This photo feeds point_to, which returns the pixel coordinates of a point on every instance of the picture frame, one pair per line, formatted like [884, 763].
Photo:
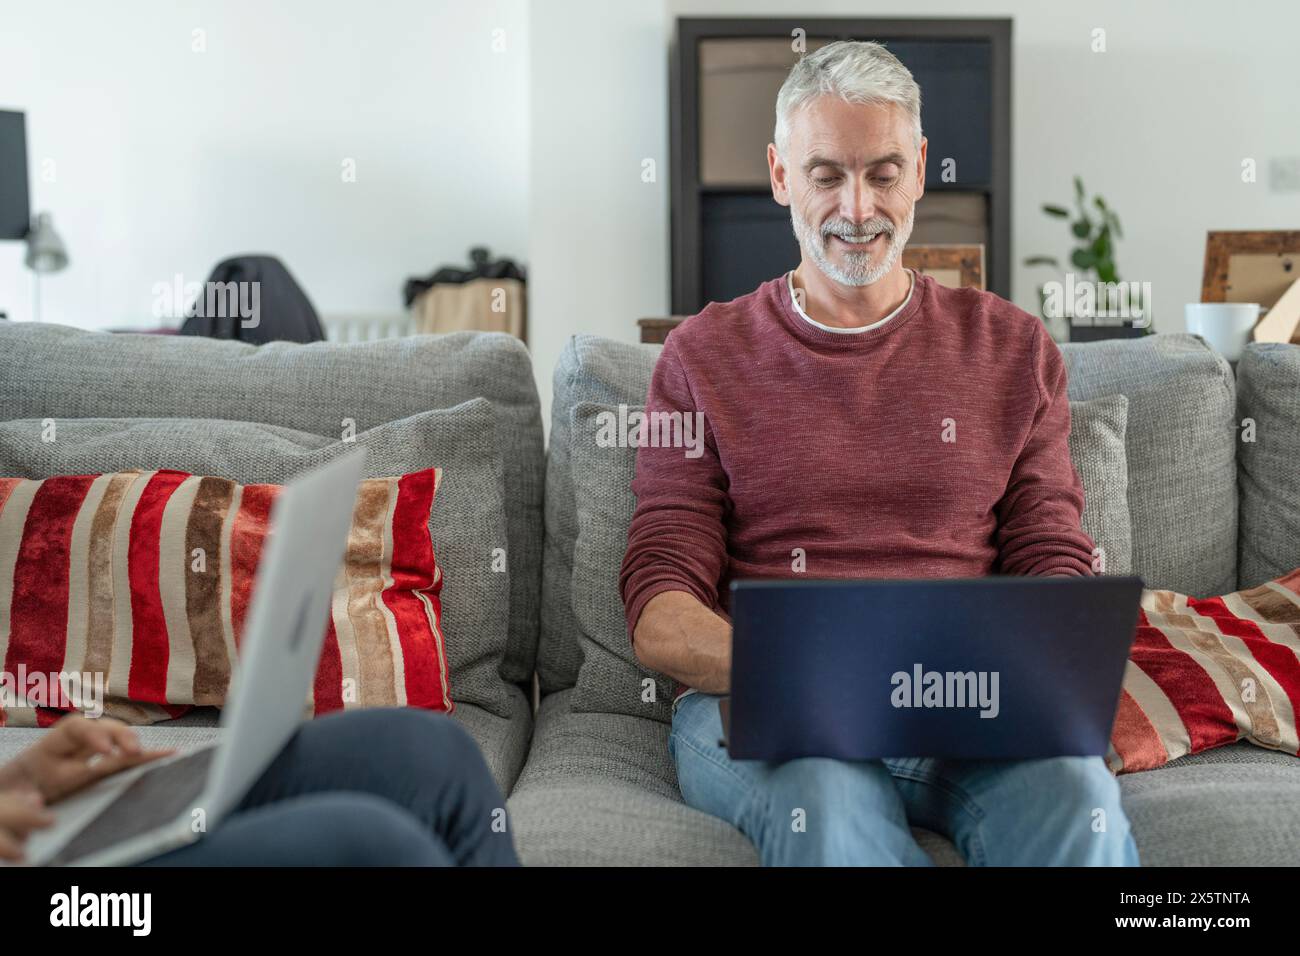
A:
[956, 265]
[1250, 265]
[1260, 266]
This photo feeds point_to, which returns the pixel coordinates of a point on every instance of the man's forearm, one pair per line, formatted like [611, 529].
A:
[678, 636]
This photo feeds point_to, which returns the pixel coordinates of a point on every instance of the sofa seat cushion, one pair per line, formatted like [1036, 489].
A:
[502, 740]
[601, 790]
[1233, 806]
[596, 821]
[180, 734]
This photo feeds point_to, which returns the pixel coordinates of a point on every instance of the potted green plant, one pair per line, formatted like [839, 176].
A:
[1092, 299]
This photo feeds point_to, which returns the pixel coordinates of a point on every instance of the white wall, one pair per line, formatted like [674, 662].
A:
[168, 160]
[598, 232]
[1158, 124]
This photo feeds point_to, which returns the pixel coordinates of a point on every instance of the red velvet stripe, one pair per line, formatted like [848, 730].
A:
[1277, 659]
[328, 687]
[1135, 738]
[7, 485]
[38, 622]
[247, 537]
[1190, 689]
[150, 650]
[413, 570]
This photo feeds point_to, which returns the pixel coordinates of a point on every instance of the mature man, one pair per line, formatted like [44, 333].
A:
[872, 423]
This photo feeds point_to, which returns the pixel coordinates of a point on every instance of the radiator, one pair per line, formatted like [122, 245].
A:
[367, 328]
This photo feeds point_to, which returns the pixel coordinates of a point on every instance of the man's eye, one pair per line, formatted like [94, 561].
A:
[826, 180]
[885, 180]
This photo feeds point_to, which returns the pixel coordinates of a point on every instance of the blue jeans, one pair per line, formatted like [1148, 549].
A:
[381, 787]
[1063, 811]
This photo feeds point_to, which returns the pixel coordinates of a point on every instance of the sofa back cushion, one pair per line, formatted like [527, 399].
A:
[1268, 460]
[324, 389]
[465, 526]
[603, 465]
[610, 679]
[1182, 469]
[590, 369]
[1097, 450]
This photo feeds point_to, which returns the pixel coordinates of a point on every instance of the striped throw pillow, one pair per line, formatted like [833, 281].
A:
[130, 590]
[1203, 673]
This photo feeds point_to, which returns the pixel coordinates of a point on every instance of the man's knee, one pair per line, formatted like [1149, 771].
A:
[821, 811]
[1081, 785]
[1085, 817]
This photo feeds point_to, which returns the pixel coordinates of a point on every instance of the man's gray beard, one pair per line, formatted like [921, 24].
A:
[860, 271]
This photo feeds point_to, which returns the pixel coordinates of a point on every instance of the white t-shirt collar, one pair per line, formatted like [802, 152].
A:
[789, 279]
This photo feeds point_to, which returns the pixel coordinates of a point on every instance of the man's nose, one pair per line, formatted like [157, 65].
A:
[857, 203]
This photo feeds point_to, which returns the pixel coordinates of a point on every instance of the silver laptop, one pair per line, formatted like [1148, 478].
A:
[167, 804]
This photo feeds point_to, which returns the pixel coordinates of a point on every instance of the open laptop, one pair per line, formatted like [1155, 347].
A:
[166, 804]
[990, 668]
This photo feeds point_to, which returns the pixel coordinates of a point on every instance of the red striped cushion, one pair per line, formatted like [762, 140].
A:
[1208, 672]
[138, 584]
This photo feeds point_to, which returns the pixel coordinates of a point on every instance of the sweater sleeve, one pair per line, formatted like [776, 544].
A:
[677, 539]
[1039, 530]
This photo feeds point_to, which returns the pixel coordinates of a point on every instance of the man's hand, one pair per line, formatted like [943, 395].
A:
[680, 637]
[21, 812]
[74, 753]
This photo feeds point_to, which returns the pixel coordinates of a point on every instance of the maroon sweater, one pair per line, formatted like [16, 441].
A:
[835, 444]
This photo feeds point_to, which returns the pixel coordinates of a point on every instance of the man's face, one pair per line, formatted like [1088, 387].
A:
[851, 178]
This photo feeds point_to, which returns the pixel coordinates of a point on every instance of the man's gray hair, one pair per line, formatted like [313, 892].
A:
[857, 71]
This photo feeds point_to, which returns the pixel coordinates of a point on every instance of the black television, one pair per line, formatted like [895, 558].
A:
[15, 214]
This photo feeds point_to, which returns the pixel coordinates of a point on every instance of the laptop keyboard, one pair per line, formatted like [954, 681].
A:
[156, 798]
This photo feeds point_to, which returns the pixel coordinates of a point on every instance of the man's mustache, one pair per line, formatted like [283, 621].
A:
[842, 227]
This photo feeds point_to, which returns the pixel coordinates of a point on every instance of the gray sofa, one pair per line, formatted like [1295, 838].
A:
[1174, 495]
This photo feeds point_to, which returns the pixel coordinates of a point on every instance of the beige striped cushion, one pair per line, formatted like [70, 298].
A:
[128, 591]
[1203, 673]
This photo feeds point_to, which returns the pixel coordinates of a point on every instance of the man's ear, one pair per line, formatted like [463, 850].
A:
[779, 175]
[920, 168]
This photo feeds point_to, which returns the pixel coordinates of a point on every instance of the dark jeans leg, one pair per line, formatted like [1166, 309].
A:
[318, 829]
[420, 763]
